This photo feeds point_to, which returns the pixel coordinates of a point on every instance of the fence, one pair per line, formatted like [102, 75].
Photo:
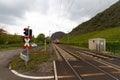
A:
[113, 47]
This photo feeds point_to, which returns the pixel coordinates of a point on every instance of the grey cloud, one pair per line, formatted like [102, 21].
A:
[80, 9]
[7, 19]
[9, 12]
[75, 10]
[41, 6]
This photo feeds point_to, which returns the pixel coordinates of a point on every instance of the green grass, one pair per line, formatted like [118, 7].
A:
[112, 37]
[36, 58]
[4, 47]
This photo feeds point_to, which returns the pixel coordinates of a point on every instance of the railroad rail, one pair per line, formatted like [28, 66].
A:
[87, 63]
[67, 62]
[101, 58]
[95, 54]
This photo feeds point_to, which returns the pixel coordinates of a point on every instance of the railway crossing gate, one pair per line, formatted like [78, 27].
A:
[26, 47]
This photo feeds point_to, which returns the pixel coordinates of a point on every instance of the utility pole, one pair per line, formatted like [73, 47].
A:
[49, 37]
[45, 44]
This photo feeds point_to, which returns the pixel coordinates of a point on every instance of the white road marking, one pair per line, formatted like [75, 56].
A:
[31, 77]
[55, 70]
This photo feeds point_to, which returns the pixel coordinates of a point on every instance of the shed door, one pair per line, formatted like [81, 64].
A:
[101, 45]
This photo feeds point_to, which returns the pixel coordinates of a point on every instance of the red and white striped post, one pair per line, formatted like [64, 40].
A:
[27, 37]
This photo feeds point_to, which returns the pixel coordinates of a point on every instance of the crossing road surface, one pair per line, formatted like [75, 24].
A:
[5, 73]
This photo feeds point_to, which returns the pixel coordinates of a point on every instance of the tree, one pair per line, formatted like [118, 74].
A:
[40, 38]
[33, 39]
[48, 40]
[14, 39]
[3, 36]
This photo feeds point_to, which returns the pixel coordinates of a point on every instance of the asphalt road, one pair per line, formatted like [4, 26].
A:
[5, 58]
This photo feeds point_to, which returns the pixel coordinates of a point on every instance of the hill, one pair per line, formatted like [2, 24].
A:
[57, 35]
[109, 18]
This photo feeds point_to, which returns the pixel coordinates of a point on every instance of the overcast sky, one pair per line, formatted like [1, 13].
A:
[48, 16]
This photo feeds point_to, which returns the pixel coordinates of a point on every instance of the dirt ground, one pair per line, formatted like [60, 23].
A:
[45, 69]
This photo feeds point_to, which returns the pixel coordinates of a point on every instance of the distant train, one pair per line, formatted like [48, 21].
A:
[56, 41]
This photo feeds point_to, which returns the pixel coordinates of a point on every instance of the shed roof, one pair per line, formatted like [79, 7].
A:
[97, 39]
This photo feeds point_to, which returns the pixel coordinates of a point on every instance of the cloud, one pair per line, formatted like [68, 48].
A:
[46, 15]
[12, 9]
[41, 6]
[76, 10]
[41, 23]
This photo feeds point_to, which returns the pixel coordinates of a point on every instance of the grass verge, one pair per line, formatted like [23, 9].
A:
[37, 57]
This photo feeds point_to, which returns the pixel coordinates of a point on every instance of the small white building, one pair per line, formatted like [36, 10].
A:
[98, 44]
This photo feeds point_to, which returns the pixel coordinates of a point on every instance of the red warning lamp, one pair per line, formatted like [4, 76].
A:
[26, 31]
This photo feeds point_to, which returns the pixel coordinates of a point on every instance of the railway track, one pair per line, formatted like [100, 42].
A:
[78, 77]
[87, 69]
[94, 54]
[101, 58]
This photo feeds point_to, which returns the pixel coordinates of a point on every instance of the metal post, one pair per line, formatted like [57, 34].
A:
[27, 48]
[49, 37]
[45, 44]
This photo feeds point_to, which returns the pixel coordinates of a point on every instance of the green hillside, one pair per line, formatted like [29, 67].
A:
[109, 18]
[112, 37]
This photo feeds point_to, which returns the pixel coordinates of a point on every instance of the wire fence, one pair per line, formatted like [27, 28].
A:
[112, 48]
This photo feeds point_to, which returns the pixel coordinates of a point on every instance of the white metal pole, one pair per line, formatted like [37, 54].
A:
[45, 44]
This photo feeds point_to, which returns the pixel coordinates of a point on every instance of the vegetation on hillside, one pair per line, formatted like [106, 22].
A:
[112, 37]
[108, 19]
[6, 38]
[8, 41]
